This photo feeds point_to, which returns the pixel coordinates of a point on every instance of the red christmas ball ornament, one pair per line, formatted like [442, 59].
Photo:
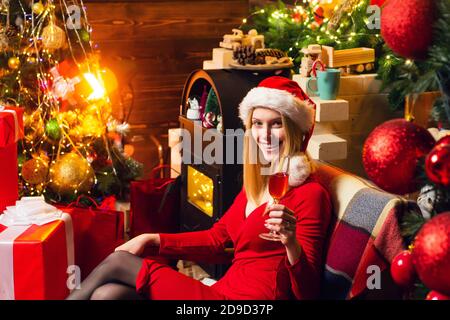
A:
[407, 25]
[437, 165]
[434, 295]
[377, 2]
[431, 253]
[402, 269]
[443, 141]
[391, 152]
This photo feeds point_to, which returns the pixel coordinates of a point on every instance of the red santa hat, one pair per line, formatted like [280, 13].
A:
[286, 97]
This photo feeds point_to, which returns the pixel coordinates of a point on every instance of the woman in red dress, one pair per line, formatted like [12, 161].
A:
[279, 119]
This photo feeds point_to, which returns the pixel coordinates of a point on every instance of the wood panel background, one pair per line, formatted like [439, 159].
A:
[152, 46]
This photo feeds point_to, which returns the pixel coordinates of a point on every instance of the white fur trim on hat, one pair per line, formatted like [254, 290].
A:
[300, 112]
[299, 170]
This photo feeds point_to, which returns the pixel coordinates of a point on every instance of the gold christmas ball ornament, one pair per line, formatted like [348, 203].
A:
[71, 174]
[13, 63]
[38, 8]
[35, 171]
[53, 37]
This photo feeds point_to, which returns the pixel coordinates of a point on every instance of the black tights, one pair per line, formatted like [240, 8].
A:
[113, 279]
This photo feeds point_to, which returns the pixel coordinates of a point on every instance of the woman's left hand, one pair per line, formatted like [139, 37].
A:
[282, 220]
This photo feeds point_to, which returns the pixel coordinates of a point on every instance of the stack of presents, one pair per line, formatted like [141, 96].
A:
[45, 250]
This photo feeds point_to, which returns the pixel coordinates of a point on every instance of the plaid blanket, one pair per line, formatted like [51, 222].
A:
[365, 233]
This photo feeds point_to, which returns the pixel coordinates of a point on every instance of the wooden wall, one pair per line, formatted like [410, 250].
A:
[152, 46]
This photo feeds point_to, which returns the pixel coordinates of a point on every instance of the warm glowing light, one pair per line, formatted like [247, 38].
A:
[97, 87]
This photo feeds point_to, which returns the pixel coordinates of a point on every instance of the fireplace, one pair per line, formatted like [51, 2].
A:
[208, 188]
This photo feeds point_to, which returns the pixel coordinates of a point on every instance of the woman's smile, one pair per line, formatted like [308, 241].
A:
[268, 132]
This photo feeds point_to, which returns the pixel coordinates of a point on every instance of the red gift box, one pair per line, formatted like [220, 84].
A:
[97, 232]
[34, 261]
[11, 130]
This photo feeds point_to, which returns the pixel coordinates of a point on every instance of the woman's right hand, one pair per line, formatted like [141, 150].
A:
[138, 244]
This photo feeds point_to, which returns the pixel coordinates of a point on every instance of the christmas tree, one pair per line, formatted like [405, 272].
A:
[49, 67]
[416, 60]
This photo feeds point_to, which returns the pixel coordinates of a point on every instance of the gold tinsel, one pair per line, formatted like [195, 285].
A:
[71, 174]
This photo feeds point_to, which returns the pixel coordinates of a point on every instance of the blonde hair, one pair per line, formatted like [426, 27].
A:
[254, 182]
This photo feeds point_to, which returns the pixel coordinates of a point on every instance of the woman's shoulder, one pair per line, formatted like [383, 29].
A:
[311, 195]
[310, 188]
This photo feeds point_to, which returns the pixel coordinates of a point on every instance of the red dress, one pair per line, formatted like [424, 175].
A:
[260, 269]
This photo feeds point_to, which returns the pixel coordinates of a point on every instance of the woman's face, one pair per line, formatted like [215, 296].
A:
[268, 132]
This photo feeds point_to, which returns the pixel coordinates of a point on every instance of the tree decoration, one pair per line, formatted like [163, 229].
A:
[391, 154]
[53, 37]
[85, 35]
[377, 2]
[328, 7]
[407, 25]
[346, 6]
[52, 129]
[35, 171]
[402, 269]
[38, 8]
[444, 141]
[71, 174]
[431, 253]
[437, 165]
[434, 295]
[405, 77]
[14, 63]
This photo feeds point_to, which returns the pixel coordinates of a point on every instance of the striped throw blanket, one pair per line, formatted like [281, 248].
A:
[364, 239]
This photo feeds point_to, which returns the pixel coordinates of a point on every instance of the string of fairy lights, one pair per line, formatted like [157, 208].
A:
[71, 112]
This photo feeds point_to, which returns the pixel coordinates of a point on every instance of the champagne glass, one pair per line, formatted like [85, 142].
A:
[278, 187]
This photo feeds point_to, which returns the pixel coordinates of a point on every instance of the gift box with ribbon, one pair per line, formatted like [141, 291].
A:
[36, 252]
[11, 130]
[97, 232]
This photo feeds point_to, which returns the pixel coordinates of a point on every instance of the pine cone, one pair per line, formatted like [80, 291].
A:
[244, 55]
[270, 53]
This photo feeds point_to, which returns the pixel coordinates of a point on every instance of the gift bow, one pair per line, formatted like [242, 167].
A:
[16, 121]
[18, 219]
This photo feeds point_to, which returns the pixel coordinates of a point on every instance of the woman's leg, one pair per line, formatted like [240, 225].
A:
[120, 267]
[115, 291]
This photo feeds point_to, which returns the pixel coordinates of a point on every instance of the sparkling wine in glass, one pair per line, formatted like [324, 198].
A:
[278, 187]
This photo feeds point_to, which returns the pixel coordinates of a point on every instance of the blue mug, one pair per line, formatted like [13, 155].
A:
[327, 82]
